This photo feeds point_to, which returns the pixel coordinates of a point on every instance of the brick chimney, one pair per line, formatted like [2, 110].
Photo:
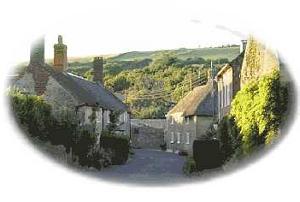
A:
[98, 69]
[60, 56]
[243, 45]
[37, 61]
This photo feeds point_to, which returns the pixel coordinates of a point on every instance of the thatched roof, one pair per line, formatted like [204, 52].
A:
[201, 101]
[235, 63]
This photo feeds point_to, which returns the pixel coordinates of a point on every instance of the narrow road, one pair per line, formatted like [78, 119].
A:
[148, 167]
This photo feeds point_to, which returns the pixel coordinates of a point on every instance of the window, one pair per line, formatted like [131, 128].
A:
[108, 116]
[187, 120]
[172, 138]
[125, 117]
[187, 140]
[178, 138]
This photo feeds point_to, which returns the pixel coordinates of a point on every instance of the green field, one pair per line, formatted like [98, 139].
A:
[183, 53]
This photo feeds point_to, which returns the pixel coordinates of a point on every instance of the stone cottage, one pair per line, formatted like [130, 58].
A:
[190, 118]
[228, 82]
[67, 93]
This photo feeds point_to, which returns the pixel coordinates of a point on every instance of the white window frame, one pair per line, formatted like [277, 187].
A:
[125, 117]
[108, 116]
[178, 138]
[187, 138]
[172, 138]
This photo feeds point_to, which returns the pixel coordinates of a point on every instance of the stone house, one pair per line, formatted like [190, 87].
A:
[259, 60]
[190, 118]
[89, 101]
[254, 61]
[228, 82]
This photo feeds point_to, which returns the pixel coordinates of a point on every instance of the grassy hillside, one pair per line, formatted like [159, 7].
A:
[183, 53]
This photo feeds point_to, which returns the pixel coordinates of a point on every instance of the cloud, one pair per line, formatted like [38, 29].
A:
[234, 32]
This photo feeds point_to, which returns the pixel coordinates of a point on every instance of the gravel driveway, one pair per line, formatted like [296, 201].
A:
[147, 167]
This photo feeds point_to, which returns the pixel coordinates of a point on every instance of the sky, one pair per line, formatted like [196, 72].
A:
[114, 26]
[109, 26]
[142, 34]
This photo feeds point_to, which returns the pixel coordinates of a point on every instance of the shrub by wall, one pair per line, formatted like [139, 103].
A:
[32, 113]
[189, 166]
[34, 116]
[229, 137]
[258, 110]
[119, 146]
[207, 154]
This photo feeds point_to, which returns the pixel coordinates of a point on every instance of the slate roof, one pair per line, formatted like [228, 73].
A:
[87, 92]
[200, 102]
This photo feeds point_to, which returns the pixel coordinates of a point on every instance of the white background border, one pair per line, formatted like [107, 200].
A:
[25, 175]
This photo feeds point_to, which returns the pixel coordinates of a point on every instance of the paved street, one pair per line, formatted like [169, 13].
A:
[148, 167]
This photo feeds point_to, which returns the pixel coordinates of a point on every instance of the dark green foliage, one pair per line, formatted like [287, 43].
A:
[207, 154]
[189, 166]
[230, 140]
[34, 116]
[119, 146]
[84, 142]
[32, 113]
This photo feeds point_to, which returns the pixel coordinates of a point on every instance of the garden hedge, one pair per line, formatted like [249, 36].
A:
[118, 145]
[207, 154]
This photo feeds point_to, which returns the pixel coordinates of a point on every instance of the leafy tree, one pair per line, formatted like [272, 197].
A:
[258, 109]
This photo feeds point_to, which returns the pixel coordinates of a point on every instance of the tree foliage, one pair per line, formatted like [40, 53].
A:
[258, 110]
[152, 86]
[34, 116]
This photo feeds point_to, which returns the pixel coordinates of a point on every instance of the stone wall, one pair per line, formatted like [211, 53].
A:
[259, 60]
[147, 133]
[154, 123]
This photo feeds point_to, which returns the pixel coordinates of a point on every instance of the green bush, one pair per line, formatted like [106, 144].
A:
[98, 158]
[258, 110]
[230, 141]
[34, 116]
[189, 166]
[207, 154]
[118, 145]
[32, 113]
[84, 141]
